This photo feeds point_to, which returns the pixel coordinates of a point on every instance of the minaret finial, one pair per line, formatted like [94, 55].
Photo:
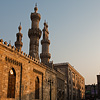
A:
[36, 9]
[44, 22]
[20, 27]
[20, 23]
[35, 4]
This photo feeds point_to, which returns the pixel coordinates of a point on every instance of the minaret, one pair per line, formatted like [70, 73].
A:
[45, 55]
[18, 43]
[34, 34]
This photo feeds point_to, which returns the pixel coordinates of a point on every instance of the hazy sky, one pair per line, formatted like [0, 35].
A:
[74, 27]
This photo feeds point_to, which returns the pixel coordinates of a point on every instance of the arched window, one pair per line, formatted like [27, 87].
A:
[37, 88]
[11, 83]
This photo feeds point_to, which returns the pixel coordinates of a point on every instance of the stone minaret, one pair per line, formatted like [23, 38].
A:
[45, 55]
[34, 34]
[18, 43]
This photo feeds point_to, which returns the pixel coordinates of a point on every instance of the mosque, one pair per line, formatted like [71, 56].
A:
[32, 76]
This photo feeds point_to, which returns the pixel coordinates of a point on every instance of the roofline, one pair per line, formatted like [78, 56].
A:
[66, 64]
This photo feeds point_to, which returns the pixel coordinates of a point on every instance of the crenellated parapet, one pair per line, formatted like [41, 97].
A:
[11, 48]
[1, 40]
[15, 50]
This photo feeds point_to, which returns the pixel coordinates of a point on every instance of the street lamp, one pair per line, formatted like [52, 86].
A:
[50, 82]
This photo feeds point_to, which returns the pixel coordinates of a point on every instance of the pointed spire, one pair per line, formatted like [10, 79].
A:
[36, 5]
[44, 23]
[20, 28]
[36, 9]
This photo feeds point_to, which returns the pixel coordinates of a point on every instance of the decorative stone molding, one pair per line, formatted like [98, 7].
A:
[5, 42]
[45, 30]
[12, 48]
[10, 60]
[34, 32]
[9, 45]
[35, 15]
[1, 40]
[36, 71]
[45, 55]
[45, 41]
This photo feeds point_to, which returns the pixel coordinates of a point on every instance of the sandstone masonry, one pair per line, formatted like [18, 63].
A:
[26, 77]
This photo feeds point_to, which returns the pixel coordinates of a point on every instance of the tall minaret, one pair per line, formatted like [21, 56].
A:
[45, 55]
[34, 34]
[18, 43]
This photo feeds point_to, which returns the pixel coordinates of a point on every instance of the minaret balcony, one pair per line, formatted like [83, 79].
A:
[35, 32]
[19, 34]
[18, 43]
[45, 41]
[45, 55]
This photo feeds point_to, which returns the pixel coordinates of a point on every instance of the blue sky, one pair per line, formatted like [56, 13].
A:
[74, 27]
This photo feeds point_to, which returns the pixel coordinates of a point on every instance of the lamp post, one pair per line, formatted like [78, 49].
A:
[50, 82]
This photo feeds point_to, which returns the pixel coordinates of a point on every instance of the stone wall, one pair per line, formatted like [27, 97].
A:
[50, 77]
[27, 70]
[0, 75]
[75, 81]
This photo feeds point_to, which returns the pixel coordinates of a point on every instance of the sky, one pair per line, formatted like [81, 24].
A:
[74, 30]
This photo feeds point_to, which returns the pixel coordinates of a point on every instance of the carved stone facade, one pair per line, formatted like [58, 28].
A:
[24, 77]
[75, 81]
[27, 70]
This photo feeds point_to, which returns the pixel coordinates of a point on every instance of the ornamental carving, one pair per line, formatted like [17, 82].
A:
[35, 32]
[10, 60]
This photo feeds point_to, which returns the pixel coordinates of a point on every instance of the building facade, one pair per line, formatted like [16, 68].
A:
[75, 81]
[91, 92]
[25, 77]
